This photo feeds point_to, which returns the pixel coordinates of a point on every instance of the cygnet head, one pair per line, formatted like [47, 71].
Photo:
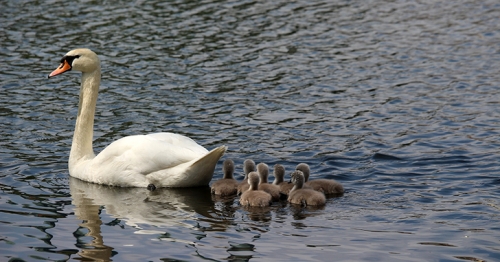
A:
[297, 179]
[279, 174]
[253, 180]
[305, 197]
[305, 170]
[81, 59]
[263, 170]
[228, 168]
[248, 166]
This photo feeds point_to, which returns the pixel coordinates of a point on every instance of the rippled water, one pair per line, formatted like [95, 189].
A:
[398, 100]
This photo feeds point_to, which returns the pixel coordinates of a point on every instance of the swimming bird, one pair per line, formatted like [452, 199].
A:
[253, 196]
[327, 186]
[302, 196]
[285, 186]
[248, 166]
[279, 179]
[279, 174]
[154, 160]
[227, 185]
[273, 190]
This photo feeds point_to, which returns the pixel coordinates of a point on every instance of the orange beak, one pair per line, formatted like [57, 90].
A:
[61, 69]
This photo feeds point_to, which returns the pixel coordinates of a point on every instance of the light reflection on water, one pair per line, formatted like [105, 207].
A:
[397, 100]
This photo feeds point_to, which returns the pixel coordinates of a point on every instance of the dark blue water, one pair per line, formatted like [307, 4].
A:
[397, 100]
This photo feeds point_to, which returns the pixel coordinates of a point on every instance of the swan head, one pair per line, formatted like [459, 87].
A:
[81, 59]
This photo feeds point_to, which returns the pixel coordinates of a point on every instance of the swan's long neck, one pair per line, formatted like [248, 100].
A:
[81, 148]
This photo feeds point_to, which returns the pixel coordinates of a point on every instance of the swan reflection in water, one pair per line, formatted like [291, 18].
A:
[162, 208]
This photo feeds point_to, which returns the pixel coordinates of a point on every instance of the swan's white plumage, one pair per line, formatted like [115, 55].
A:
[162, 159]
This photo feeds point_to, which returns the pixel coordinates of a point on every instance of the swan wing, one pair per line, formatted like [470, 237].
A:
[145, 154]
[179, 140]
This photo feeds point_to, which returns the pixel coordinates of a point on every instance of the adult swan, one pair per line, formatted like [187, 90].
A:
[154, 160]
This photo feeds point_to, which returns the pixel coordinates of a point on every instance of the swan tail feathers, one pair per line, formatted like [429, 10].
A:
[205, 166]
[197, 172]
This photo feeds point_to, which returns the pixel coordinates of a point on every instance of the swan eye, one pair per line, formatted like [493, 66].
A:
[69, 59]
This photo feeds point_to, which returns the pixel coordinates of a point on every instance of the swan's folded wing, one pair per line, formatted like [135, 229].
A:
[179, 140]
[145, 154]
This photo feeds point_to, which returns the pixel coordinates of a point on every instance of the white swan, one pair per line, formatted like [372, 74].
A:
[154, 160]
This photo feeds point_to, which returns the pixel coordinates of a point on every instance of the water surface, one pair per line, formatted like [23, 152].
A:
[397, 100]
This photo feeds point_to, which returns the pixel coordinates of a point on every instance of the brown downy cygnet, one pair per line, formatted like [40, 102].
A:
[248, 166]
[254, 197]
[279, 179]
[227, 185]
[327, 186]
[302, 196]
[273, 190]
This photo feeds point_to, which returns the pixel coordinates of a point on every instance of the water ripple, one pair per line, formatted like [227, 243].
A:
[396, 99]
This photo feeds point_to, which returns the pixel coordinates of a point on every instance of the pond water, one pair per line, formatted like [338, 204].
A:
[397, 100]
